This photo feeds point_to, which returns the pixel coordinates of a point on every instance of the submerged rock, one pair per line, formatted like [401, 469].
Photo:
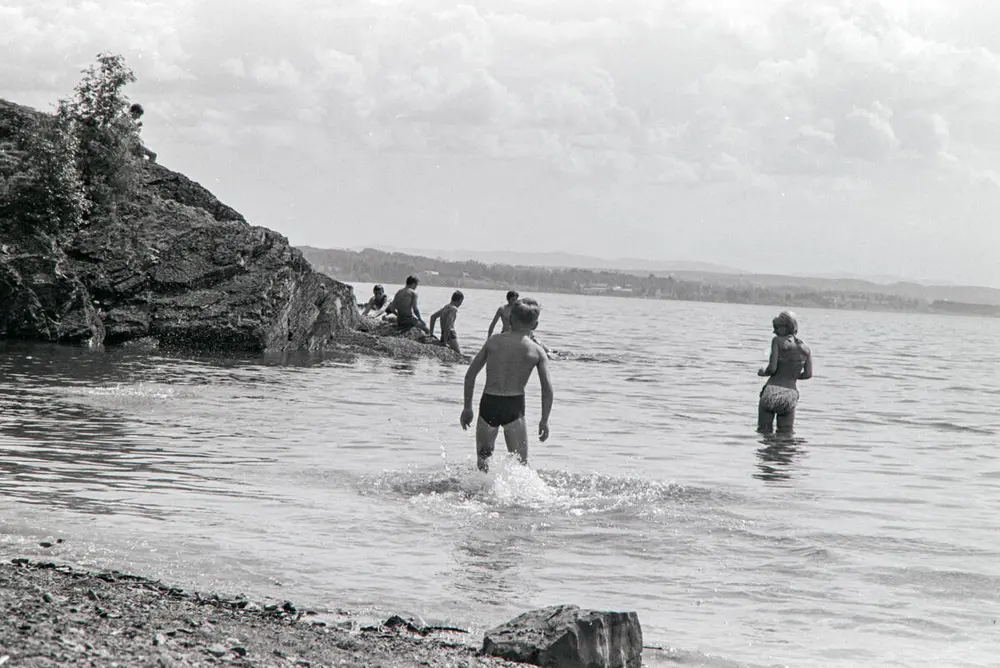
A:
[565, 636]
[178, 268]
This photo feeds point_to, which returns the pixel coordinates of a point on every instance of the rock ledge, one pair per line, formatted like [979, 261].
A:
[178, 268]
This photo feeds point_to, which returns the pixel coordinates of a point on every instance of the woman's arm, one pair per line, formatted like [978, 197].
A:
[807, 367]
[772, 363]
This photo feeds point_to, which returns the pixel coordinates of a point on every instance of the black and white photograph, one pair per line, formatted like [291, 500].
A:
[494, 333]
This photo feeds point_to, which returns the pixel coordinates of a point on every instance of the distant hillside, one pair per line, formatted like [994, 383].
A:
[565, 261]
[377, 266]
[722, 275]
[928, 293]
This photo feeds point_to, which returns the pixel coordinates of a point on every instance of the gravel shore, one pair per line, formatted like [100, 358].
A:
[54, 615]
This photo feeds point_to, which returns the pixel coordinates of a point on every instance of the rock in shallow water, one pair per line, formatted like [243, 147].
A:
[175, 267]
[565, 636]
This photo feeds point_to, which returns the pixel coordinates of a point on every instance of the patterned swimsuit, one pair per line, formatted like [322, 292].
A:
[782, 400]
[779, 400]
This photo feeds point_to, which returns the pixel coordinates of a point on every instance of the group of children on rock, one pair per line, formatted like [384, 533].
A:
[511, 356]
[403, 311]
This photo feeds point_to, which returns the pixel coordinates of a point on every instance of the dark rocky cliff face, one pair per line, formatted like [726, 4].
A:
[180, 268]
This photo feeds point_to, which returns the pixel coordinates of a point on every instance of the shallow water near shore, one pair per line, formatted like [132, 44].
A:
[870, 538]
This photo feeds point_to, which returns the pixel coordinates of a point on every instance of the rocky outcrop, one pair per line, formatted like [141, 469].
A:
[43, 299]
[179, 268]
[176, 187]
[565, 636]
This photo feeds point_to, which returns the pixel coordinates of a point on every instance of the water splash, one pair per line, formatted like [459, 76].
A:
[140, 391]
[510, 486]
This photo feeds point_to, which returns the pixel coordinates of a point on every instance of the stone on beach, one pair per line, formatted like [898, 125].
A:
[565, 636]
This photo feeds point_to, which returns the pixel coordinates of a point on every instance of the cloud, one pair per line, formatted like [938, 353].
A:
[717, 79]
[922, 132]
[827, 98]
[277, 73]
[867, 133]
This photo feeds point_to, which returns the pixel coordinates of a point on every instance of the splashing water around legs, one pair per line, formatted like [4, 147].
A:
[512, 483]
[515, 435]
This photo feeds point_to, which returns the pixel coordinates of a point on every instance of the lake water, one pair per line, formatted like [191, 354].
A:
[869, 539]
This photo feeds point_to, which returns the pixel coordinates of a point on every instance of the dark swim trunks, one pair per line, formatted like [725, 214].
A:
[405, 322]
[498, 411]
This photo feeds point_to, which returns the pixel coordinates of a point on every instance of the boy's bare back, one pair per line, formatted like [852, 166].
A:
[448, 316]
[510, 359]
[404, 300]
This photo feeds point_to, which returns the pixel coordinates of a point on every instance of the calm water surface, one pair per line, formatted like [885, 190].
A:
[869, 539]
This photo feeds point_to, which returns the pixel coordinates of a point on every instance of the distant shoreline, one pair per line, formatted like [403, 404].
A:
[431, 281]
[763, 290]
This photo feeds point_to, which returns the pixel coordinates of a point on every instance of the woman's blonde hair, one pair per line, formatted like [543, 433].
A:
[786, 320]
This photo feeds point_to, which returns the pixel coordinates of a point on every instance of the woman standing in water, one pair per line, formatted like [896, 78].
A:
[790, 362]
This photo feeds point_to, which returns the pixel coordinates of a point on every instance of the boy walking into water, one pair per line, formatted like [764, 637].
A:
[448, 314]
[509, 359]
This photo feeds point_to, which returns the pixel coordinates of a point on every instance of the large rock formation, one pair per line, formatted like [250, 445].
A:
[565, 636]
[179, 268]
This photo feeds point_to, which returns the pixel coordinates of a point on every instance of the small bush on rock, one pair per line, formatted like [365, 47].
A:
[40, 187]
[107, 135]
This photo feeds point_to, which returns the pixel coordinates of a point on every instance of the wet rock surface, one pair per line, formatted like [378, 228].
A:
[567, 637]
[53, 615]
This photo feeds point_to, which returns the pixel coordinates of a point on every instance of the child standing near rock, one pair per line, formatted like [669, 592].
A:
[448, 314]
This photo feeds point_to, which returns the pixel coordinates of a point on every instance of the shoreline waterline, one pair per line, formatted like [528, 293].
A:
[55, 612]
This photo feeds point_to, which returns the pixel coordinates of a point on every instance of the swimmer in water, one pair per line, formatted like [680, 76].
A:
[509, 359]
[790, 362]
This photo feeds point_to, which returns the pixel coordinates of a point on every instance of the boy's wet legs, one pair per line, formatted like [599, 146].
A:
[486, 437]
[516, 435]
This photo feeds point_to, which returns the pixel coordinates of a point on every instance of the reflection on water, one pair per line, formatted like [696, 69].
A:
[405, 367]
[777, 458]
[82, 430]
[350, 481]
[490, 566]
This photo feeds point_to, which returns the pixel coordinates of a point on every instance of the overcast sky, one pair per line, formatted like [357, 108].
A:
[804, 136]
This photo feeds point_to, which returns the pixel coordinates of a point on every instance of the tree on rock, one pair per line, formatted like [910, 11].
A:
[40, 187]
[109, 147]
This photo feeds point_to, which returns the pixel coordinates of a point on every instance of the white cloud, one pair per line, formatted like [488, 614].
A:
[922, 132]
[867, 133]
[277, 73]
[832, 98]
